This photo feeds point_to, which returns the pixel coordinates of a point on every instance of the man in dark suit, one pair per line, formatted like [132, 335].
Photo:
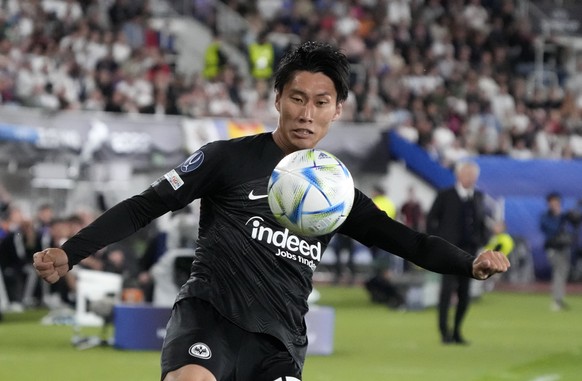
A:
[458, 215]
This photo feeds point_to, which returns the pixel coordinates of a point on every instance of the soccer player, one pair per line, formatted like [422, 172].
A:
[240, 316]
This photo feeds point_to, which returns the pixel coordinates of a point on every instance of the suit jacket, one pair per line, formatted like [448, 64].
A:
[445, 219]
[15, 253]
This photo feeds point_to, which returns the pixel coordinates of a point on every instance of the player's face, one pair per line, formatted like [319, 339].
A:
[307, 106]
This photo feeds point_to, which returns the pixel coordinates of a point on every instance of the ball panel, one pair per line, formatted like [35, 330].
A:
[311, 192]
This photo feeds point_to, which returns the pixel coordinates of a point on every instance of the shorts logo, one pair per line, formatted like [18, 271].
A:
[200, 350]
[192, 162]
[174, 179]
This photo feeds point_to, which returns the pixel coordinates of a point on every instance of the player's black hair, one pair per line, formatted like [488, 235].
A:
[315, 57]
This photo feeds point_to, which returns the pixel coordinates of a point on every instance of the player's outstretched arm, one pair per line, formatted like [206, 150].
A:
[489, 263]
[51, 264]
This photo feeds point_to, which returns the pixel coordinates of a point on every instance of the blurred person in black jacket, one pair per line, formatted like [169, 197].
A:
[16, 250]
[458, 215]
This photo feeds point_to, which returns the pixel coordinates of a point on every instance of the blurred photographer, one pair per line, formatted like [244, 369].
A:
[556, 226]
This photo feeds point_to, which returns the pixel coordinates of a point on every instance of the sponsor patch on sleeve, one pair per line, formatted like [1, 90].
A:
[193, 162]
[174, 179]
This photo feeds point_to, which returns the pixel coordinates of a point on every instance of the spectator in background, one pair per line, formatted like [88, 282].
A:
[16, 250]
[381, 288]
[458, 215]
[214, 58]
[261, 56]
[60, 292]
[134, 31]
[554, 224]
[120, 48]
[166, 38]
[119, 259]
[136, 89]
[119, 12]
[475, 15]
[220, 103]
[44, 216]
[176, 231]
[500, 240]
[156, 247]
[412, 215]
[411, 212]
[343, 244]
[383, 202]
[5, 200]
[575, 215]
[383, 259]
[13, 218]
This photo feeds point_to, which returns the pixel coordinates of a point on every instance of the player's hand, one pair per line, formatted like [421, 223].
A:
[488, 263]
[51, 264]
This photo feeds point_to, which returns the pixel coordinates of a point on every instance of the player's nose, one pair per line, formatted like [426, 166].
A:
[307, 113]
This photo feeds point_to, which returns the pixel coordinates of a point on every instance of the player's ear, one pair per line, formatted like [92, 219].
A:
[338, 111]
[278, 101]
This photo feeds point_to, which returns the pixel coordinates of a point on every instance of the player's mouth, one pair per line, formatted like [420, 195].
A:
[302, 132]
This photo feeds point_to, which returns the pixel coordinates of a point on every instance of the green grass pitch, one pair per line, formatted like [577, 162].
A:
[514, 337]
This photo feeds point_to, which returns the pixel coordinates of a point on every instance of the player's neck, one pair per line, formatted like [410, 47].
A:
[280, 142]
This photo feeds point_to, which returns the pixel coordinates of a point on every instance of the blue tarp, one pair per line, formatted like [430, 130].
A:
[419, 161]
[501, 176]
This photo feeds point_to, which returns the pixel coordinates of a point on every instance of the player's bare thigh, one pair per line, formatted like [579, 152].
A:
[190, 372]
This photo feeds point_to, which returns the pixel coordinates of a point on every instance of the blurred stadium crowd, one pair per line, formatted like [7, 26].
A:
[458, 77]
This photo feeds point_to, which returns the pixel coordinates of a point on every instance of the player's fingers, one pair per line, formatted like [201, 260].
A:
[55, 255]
[506, 261]
[52, 277]
[43, 267]
[492, 256]
[62, 269]
[487, 264]
[38, 257]
[479, 265]
[481, 269]
[500, 263]
[44, 271]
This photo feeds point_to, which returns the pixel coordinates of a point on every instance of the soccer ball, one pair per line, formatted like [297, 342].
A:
[311, 192]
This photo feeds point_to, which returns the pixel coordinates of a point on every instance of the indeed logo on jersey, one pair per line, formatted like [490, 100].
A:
[290, 246]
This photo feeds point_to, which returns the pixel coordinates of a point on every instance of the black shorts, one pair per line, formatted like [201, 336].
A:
[198, 334]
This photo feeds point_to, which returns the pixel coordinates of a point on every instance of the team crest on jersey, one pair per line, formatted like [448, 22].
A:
[193, 162]
[200, 350]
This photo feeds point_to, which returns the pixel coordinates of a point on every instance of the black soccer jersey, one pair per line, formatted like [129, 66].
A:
[253, 271]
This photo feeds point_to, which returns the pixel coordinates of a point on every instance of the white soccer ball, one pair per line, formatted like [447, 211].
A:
[311, 192]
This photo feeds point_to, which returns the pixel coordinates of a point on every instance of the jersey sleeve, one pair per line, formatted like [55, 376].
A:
[115, 224]
[372, 227]
[198, 175]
